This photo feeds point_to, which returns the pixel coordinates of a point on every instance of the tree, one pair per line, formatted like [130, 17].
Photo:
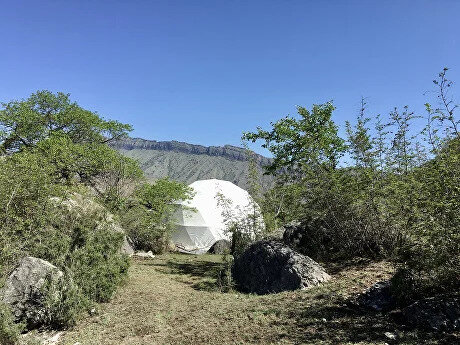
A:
[338, 206]
[44, 115]
[72, 140]
[300, 145]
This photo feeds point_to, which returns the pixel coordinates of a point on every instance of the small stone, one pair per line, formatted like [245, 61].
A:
[144, 255]
[390, 335]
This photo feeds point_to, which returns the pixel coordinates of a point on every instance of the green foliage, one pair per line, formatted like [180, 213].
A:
[242, 223]
[394, 197]
[71, 139]
[110, 174]
[429, 263]
[313, 189]
[9, 330]
[63, 302]
[148, 218]
[301, 144]
[52, 149]
[25, 188]
[43, 115]
[95, 260]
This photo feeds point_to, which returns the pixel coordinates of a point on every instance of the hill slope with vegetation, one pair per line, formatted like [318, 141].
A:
[188, 163]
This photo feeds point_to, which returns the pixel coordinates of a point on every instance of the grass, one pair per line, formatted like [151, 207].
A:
[174, 299]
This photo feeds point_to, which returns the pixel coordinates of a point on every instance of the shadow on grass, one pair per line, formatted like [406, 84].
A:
[205, 273]
[357, 263]
[338, 324]
[200, 269]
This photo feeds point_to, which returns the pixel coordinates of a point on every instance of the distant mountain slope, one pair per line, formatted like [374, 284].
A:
[188, 163]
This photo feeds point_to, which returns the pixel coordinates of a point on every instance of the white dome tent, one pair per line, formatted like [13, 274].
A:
[201, 221]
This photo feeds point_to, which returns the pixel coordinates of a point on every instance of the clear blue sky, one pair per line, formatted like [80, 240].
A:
[204, 71]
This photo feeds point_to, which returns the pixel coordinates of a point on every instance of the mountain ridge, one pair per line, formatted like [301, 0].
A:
[228, 151]
[188, 163]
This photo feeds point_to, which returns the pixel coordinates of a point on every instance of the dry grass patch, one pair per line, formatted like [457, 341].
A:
[174, 299]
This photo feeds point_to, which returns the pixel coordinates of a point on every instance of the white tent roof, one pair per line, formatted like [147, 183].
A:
[197, 229]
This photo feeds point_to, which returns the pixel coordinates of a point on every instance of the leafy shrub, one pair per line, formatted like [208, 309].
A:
[25, 209]
[393, 195]
[90, 244]
[429, 262]
[51, 148]
[9, 330]
[95, 260]
[63, 302]
[340, 214]
[148, 217]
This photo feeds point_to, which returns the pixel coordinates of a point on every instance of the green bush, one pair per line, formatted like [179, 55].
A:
[64, 302]
[90, 245]
[51, 148]
[395, 193]
[95, 260]
[9, 330]
[146, 233]
[339, 206]
[147, 218]
[26, 186]
[429, 262]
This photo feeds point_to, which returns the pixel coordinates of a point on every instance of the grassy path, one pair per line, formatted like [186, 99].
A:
[174, 299]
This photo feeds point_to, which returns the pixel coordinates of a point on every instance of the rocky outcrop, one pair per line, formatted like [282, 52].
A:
[84, 206]
[227, 151]
[439, 314]
[220, 247]
[269, 267]
[24, 290]
[377, 298]
[127, 248]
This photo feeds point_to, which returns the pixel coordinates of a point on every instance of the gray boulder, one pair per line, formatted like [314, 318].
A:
[439, 314]
[377, 298]
[220, 247]
[23, 290]
[84, 206]
[269, 267]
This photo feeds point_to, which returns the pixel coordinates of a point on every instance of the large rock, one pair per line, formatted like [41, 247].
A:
[433, 314]
[269, 267]
[23, 290]
[377, 298]
[85, 206]
[220, 247]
